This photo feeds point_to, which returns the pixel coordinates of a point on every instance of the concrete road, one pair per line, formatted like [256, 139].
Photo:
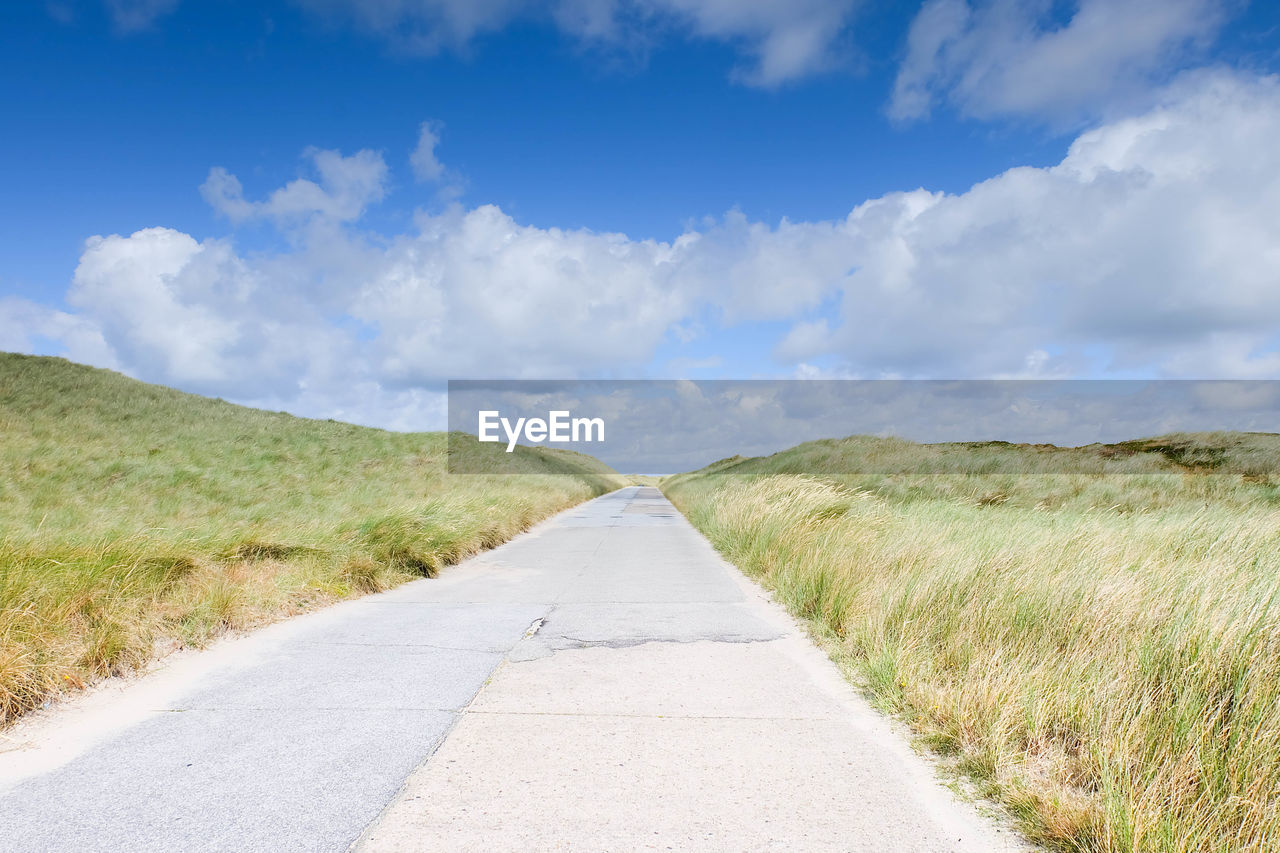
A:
[604, 682]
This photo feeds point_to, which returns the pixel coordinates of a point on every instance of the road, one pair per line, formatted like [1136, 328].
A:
[603, 682]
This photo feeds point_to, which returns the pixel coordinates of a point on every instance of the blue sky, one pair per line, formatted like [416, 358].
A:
[1059, 189]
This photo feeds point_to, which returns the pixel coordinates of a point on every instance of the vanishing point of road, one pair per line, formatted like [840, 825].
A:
[604, 682]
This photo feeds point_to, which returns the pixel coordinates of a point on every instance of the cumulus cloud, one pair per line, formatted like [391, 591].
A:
[1152, 249]
[196, 315]
[25, 325]
[1000, 58]
[474, 293]
[346, 186]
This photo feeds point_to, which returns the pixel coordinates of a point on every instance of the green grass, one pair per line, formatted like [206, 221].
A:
[134, 518]
[1092, 634]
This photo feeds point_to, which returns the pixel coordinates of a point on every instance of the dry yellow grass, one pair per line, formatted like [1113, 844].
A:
[134, 518]
[1097, 642]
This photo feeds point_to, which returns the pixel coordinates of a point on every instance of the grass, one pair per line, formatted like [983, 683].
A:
[1092, 634]
[135, 518]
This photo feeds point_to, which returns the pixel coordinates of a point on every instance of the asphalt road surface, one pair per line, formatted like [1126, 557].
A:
[603, 682]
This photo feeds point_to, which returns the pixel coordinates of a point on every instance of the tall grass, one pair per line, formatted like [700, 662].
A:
[134, 518]
[1097, 642]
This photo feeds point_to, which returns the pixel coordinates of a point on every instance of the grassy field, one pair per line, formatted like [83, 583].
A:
[1092, 634]
[134, 518]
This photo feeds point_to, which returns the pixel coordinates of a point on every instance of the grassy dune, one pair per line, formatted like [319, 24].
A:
[1093, 634]
[134, 517]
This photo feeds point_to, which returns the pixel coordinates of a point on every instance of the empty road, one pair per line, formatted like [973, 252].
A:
[603, 682]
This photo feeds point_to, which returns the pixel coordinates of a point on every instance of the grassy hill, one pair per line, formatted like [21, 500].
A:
[1092, 633]
[134, 517]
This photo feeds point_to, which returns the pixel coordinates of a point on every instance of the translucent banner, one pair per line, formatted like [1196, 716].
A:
[670, 426]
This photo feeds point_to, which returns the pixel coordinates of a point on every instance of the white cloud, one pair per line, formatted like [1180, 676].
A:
[428, 169]
[338, 327]
[474, 293]
[684, 366]
[347, 185]
[1001, 58]
[784, 39]
[1152, 249]
[133, 15]
[425, 26]
[1153, 246]
[990, 58]
[426, 166]
[194, 314]
[25, 325]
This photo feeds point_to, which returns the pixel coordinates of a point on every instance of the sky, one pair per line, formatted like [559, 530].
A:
[331, 207]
